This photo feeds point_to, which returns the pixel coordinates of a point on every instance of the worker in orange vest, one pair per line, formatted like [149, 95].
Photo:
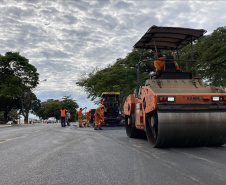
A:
[102, 102]
[79, 113]
[102, 115]
[99, 112]
[159, 64]
[88, 117]
[62, 116]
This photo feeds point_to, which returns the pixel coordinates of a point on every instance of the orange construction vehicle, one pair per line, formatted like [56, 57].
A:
[172, 108]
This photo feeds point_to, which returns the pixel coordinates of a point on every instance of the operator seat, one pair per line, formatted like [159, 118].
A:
[169, 66]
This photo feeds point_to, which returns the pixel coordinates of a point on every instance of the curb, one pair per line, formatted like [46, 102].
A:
[5, 125]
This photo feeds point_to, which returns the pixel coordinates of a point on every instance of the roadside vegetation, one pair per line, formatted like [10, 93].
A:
[18, 77]
[51, 108]
[17, 80]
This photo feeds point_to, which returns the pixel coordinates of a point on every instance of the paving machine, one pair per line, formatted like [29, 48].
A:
[92, 115]
[111, 111]
[173, 108]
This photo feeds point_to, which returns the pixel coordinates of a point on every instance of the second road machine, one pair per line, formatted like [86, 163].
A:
[111, 111]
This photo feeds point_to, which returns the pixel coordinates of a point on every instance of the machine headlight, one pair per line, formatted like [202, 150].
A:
[215, 98]
[171, 98]
[166, 99]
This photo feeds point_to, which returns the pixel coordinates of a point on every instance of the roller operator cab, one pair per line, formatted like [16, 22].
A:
[111, 111]
[172, 108]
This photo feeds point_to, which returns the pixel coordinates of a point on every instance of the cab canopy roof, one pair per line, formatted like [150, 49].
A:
[168, 38]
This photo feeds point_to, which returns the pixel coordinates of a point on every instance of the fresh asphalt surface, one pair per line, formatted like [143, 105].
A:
[43, 154]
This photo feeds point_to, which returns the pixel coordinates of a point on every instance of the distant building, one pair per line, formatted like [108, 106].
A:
[30, 121]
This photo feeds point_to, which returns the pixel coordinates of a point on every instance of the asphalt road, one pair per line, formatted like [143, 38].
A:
[44, 154]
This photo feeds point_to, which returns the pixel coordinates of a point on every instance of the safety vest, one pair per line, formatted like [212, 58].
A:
[88, 114]
[62, 113]
[159, 64]
[79, 114]
[99, 111]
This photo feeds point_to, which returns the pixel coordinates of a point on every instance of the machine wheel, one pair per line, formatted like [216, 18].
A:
[131, 130]
[152, 129]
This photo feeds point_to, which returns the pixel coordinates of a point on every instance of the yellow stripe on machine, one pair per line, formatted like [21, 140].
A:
[113, 93]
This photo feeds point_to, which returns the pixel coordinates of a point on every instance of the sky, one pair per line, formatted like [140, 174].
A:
[65, 39]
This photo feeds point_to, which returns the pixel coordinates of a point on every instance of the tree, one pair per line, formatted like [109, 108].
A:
[51, 108]
[213, 58]
[17, 80]
[8, 81]
[70, 105]
[27, 99]
[122, 76]
[12, 115]
[210, 54]
[8, 104]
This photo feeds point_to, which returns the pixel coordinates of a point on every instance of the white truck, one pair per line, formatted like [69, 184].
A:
[51, 120]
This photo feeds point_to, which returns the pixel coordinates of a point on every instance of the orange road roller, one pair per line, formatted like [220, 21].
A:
[172, 107]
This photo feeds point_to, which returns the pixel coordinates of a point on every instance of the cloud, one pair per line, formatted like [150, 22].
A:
[63, 39]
